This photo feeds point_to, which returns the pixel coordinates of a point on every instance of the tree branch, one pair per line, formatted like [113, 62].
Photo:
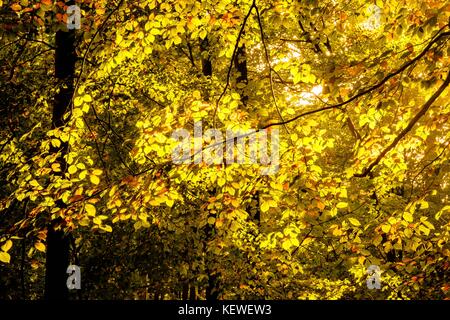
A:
[411, 124]
[366, 91]
[236, 46]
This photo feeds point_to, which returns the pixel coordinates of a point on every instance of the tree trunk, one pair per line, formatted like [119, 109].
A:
[240, 62]
[57, 259]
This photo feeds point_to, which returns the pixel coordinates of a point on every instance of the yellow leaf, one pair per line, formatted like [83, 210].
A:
[424, 229]
[7, 246]
[84, 222]
[5, 257]
[82, 175]
[56, 167]
[94, 179]
[72, 169]
[90, 209]
[170, 202]
[81, 166]
[56, 143]
[265, 206]
[235, 96]
[354, 222]
[219, 223]
[408, 217]
[106, 228]
[97, 172]
[342, 205]
[361, 260]
[87, 98]
[40, 246]
[211, 220]
[424, 205]
[377, 240]
[286, 245]
[77, 101]
[385, 228]
[221, 182]
[196, 94]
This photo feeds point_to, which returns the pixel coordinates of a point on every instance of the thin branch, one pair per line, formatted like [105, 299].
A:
[408, 128]
[236, 46]
[90, 44]
[43, 42]
[366, 91]
[266, 52]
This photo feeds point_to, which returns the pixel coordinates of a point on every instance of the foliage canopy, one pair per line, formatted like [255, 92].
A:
[362, 107]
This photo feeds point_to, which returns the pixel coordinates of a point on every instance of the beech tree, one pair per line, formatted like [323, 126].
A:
[358, 91]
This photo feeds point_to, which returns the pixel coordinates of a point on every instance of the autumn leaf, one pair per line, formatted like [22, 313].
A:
[90, 209]
[5, 257]
[7, 245]
[354, 222]
[16, 7]
[94, 179]
[39, 246]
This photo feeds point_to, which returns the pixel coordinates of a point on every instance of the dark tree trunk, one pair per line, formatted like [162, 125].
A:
[192, 295]
[212, 288]
[185, 292]
[57, 259]
[240, 63]
[206, 58]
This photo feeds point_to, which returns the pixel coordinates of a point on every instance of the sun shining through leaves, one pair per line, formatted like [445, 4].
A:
[348, 101]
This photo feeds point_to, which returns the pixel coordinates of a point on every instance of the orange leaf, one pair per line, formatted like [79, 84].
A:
[16, 7]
